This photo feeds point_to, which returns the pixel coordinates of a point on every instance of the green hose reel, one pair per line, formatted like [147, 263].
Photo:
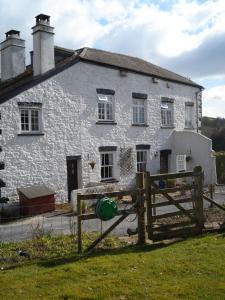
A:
[106, 208]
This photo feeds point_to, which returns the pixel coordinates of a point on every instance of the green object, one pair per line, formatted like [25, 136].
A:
[106, 208]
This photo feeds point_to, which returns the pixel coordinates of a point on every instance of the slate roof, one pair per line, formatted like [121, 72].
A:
[64, 58]
[134, 64]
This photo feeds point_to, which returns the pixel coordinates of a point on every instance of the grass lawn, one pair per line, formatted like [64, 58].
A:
[192, 269]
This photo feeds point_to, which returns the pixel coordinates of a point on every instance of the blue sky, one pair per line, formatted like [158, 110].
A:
[185, 36]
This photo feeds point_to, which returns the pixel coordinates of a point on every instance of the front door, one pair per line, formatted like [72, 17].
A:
[72, 177]
[164, 161]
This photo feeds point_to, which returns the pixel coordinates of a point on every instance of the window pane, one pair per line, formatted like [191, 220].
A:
[110, 172]
[102, 172]
[102, 98]
[109, 111]
[188, 116]
[141, 115]
[101, 111]
[106, 172]
[169, 117]
[24, 120]
[34, 120]
[135, 115]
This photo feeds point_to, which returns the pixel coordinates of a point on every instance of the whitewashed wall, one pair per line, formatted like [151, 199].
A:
[199, 148]
[69, 116]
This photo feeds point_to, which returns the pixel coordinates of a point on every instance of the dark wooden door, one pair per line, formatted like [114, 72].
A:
[72, 177]
[164, 161]
[164, 164]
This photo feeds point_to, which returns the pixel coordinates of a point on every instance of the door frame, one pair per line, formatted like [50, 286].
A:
[76, 158]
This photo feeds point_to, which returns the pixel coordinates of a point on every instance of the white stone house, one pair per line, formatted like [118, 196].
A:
[74, 117]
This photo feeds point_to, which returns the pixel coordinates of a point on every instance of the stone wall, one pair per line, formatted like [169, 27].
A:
[69, 116]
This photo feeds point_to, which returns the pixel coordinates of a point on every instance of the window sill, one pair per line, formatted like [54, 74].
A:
[140, 125]
[109, 180]
[31, 134]
[167, 127]
[106, 123]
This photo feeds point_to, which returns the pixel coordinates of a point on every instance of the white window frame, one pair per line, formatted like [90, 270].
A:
[189, 116]
[30, 123]
[139, 111]
[105, 107]
[181, 164]
[107, 166]
[142, 164]
[167, 114]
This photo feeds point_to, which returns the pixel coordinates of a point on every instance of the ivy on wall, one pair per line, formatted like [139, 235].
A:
[220, 166]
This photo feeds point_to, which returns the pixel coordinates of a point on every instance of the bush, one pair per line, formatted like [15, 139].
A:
[171, 183]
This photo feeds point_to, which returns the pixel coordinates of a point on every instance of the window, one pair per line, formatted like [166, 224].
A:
[141, 160]
[138, 111]
[105, 107]
[106, 166]
[167, 112]
[189, 110]
[181, 162]
[30, 119]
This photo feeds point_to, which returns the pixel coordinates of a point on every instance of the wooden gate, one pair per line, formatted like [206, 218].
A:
[186, 197]
[150, 196]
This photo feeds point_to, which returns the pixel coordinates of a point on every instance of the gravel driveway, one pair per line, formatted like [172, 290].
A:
[65, 223]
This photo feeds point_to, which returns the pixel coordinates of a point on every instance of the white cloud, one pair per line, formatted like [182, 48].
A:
[214, 102]
[187, 36]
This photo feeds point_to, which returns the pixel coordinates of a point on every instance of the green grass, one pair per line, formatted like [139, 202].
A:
[192, 269]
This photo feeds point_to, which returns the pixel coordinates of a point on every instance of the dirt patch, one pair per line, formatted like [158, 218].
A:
[213, 217]
[66, 207]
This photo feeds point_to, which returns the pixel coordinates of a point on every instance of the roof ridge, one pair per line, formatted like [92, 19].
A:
[156, 70]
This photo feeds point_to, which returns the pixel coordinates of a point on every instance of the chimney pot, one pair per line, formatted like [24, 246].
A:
[42, 19]
[12, 33]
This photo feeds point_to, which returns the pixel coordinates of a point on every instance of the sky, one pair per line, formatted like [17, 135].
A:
[184, 36]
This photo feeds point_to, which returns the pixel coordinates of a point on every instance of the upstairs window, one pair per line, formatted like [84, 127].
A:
[30, 117]
[138, 111]
[105, 107]
[167, 112]
[189, 115]
[139, 108]
[30, 120]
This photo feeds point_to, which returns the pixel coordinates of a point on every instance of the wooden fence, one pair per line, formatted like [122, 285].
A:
[186, 197]
[183, 221]
[137, 196]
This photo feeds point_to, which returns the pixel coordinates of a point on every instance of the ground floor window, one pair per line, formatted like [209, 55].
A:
[106, 165]
[181, 162]
[141, 160]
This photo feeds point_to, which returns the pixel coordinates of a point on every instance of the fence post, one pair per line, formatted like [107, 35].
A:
[149, 204]
[199, 195]
[211, 194]
[79, 225]
[140, 210]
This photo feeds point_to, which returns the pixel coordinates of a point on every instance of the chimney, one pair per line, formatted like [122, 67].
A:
[12, 55]
[43, 45]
